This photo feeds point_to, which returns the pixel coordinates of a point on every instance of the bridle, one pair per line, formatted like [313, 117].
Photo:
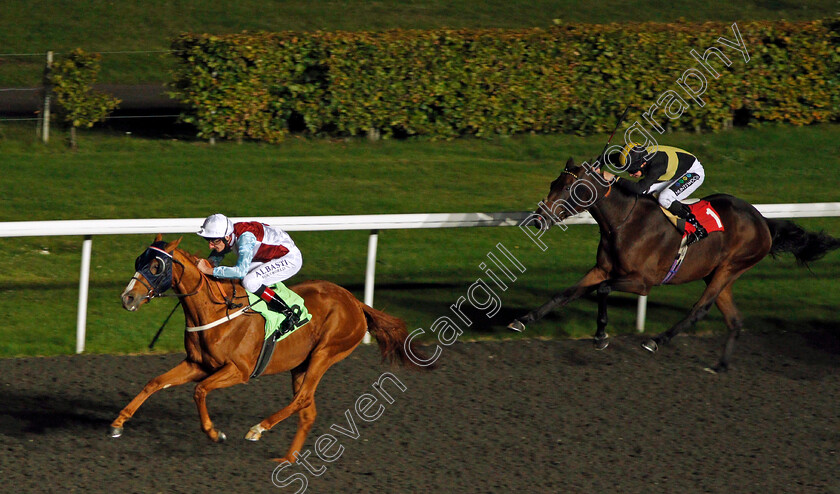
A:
[609, 189]
[575, 179]
[157, 284]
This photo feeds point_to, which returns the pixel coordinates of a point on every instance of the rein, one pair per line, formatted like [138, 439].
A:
[156, 289]
[162, 279]
[609, 190]
[617, 227]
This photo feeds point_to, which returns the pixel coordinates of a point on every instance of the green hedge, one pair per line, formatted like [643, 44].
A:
[448, 83]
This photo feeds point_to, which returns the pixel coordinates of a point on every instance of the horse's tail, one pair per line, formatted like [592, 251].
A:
[804, 245]
[391, 335]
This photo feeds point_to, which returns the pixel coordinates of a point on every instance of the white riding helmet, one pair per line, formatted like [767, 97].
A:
[216, 226]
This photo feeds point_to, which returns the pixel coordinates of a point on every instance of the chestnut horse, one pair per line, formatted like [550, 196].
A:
[638, 245]
[227, 353]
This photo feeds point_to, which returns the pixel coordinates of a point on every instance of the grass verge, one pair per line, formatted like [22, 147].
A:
[420, 273]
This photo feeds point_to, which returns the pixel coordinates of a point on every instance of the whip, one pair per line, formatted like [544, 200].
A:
[617, 124]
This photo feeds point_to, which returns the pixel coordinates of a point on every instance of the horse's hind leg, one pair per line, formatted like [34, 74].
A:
[306, 416]
[180, 374]
[717, 283]
[726, 305]
[698, 312]
[304, 400]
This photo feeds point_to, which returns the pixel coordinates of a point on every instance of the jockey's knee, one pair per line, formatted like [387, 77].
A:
[666, 198]
[251, 283]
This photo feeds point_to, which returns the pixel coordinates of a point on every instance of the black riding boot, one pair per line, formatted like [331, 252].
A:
[682, 211]
[277, 304]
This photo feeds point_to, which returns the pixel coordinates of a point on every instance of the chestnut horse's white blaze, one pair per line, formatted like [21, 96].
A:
[128, 289]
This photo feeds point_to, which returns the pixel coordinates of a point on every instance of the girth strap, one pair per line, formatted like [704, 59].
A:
[678, 260]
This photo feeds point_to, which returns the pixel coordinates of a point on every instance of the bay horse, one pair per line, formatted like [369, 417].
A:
[638, 245]
[227, 353]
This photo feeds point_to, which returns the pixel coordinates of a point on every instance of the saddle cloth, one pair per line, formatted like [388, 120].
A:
[703, 211]
[273, 320]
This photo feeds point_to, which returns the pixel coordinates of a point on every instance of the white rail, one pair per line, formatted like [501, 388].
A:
[373, 223]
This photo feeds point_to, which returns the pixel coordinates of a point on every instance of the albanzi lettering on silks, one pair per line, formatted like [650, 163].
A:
[268, 269]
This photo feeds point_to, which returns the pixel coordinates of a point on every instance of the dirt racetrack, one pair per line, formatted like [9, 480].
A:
[527, 416]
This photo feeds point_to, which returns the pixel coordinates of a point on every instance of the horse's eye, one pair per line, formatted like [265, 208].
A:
[155, 267]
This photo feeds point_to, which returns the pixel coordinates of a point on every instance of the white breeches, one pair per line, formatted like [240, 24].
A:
[680, 187]
[268, 273]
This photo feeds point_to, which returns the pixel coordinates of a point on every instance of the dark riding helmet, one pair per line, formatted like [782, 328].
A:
[633, 157]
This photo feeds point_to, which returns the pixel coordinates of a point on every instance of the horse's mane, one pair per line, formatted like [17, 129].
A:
[191, 257]
[225, 284]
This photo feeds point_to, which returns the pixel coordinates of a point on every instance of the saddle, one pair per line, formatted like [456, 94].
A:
[277, 326]
[703, 211]
[708, 219]
[678, 222]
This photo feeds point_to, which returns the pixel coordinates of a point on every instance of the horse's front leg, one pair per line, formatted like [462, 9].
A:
[227, 376]
[182, 373]
[601, 338]
[631, 285]
[588, 283]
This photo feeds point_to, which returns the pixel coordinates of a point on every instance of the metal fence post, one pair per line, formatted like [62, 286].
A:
[370, 271]
[641, 312]
[84, 278]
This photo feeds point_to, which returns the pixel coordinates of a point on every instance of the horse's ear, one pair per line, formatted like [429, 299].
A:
[173, 245]
[570, 164]
[159, 237]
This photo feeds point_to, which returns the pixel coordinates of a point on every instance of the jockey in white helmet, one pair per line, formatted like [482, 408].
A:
[266, 255]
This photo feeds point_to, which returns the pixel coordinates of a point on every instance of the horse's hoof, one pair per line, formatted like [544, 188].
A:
[516, 326]
[601, 343]
[255, 433]
[650, 346]
[116, 432]
[718, 369]
[283, 460]
[221, 437]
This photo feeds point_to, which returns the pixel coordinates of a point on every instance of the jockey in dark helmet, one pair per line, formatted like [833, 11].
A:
[671, 174]
[266, 255]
